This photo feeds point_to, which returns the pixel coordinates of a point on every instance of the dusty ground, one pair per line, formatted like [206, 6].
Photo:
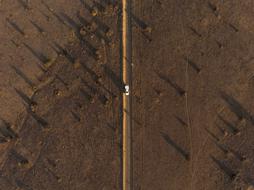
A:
[193, 94]
[59, 95]
[60, 105]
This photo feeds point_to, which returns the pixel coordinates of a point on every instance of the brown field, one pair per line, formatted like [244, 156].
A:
[61, 90]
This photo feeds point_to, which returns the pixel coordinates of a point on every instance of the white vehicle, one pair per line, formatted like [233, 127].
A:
[127, 88]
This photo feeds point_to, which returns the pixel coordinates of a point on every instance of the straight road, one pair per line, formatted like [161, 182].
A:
[126, 66]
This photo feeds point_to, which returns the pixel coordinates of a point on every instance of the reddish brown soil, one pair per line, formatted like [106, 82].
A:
[60, 95]
[192, 95]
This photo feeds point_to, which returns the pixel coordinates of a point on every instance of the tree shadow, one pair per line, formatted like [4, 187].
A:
[194, 31]
[87, 96]
[42, 122]
[182, 152]
[213, 8]
[233, 27]
[192, 64]
[222, 131]
[229, 125]
[72, 24]
[20, 159]
[24, 4]
[173, 84]
[95, 78]
[92, 74]
[22, 185]
[3, 140]
[131, 117]
[15, 26]
[6, 130]
[38, 28]
[212, 135]
[99, 6]
[91, 88]
[53, 13]
[111, 126]
[62, 51]
[237, 108]
[223, 148]
[25, 98]
[99, 31]
[139, 22]
[224, 168]
[40, 56]
[102, 26]
[62, 81]
[75, 116]
[115, 79]
[23, 76]
[96, 92]
[90, 49]
[87, 6]
[180, 120]
[144, 27]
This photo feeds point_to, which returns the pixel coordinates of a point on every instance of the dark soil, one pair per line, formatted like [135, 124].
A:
[60, 95]
[60, 89]
[193, 94]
